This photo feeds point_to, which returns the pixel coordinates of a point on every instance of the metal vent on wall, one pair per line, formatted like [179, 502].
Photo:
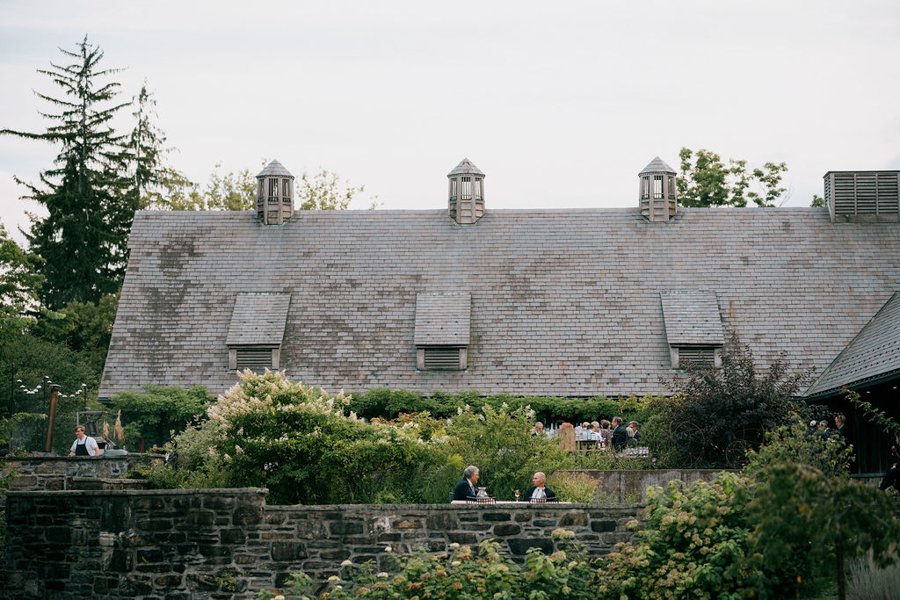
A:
[255, 359]
[442, 358]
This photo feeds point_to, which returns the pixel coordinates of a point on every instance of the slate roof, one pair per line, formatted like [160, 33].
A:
[692, 318]
[874, 353]
[563, 302]
[657, 165]
[258, 319]
[465, 166]
[443, 319]
[275, 169]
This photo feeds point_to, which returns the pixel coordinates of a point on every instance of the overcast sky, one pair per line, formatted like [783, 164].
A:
[561, 104]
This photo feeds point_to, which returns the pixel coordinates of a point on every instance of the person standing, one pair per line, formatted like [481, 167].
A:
[465, 489]
[539, 492]
[83, 445]
[619, 435]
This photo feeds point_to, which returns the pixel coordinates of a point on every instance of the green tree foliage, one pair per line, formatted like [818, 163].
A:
[499, 443]
[84, 327]
[706, 181]
[150, 175]
[716, 414]
[694, 544]
[817, 201]
[323, 191]
[821, 521]
[297, 442]
[388, 403]
[29, 358]
[19, 281]
[158, 413]
[82, 240]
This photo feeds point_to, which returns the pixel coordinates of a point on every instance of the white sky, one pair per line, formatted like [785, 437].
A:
[561, 104]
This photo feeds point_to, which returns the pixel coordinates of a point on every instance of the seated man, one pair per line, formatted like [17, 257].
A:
[465, 489]
[539, 430]
[538, 492]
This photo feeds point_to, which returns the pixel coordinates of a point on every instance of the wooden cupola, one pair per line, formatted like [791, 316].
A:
[274, 194]
[466, 203]
[657, 191]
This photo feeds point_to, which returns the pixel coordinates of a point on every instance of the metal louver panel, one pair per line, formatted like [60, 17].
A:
[442, 358]
[255, 359]
[852, 193]
[704, 357]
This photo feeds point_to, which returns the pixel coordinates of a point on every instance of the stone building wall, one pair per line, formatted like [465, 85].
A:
[229, 544]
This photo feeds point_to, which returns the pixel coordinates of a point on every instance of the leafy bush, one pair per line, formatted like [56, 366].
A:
[797, 444]
[499, 443]
[716, 415]
[156, 414]
[574, 487]
[389, 404]
[468, 573]
[820, 523]
[694, 544]
[296, 441]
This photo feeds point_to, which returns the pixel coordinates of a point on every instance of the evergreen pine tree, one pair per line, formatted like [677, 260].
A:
[89, 198]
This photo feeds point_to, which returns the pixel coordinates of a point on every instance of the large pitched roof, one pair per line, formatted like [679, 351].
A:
[563, 302]
[873, 354]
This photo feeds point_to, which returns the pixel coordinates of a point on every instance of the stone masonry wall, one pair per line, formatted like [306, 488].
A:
[228, 544]
[61, 472]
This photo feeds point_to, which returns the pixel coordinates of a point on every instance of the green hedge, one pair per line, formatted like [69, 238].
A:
[387, 404]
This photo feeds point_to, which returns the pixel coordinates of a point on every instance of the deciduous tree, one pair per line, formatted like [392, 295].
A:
[706, 181]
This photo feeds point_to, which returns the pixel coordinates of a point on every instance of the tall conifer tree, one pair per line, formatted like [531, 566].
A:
[87, 193]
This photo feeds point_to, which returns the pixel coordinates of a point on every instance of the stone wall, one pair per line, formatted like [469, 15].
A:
[62, 473]
[228, 543]
[624, 487]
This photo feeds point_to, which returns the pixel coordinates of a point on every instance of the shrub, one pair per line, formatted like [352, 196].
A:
[156, 414]
[820, 523]
[499, 442]
[389, 404]
[465, 572]
[716, 414]
[574, 487]
[296, 441]
[694, 544]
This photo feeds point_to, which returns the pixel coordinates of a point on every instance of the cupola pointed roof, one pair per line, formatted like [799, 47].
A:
[465, 166]
[274, 169]
[657, 165]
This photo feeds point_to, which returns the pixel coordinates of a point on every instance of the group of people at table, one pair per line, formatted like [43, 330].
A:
[605, 434]
[468, 491]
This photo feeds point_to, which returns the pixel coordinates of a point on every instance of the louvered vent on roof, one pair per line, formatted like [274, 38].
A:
[257, 327]
[441, 358]
[863, 195]
[698, 357]
[693, 327]
[255, 359]
[442, 330]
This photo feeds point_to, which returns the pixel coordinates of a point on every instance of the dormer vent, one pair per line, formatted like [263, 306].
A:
[657, 191]
[863, 195]
[274, 194]
[466, 204]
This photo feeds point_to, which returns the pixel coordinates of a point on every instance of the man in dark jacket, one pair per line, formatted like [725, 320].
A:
[538, 492]
[465, 489]
[619, 435]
